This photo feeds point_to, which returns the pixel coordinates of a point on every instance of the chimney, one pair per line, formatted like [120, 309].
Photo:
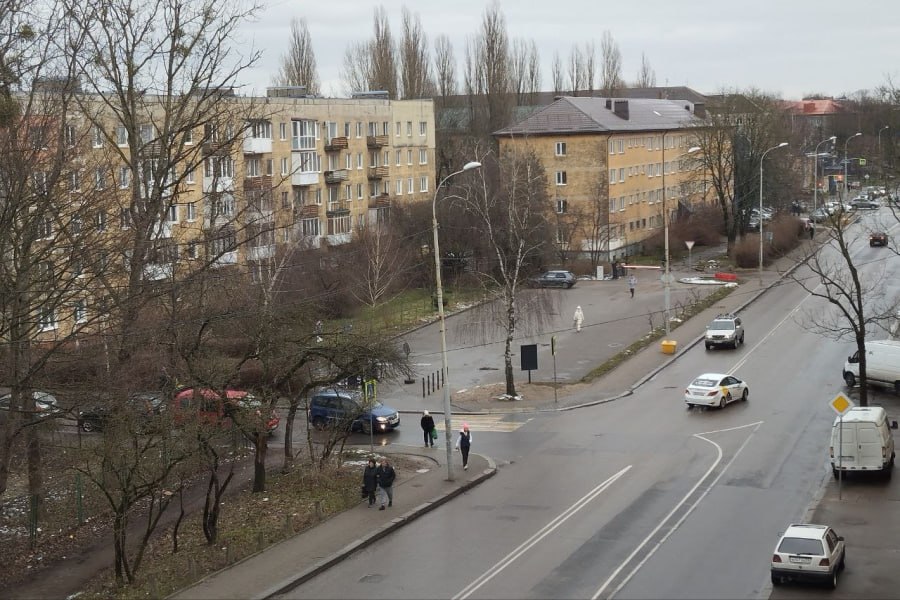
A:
[620, 109]
[700, 110]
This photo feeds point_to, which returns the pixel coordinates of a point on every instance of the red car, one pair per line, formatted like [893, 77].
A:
[207, 406]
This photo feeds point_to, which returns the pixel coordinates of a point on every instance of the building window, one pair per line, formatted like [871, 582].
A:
[612, 205]
[346, 129]
[423, 156]
[359, 160]
[173, 213]
[397, 128]
[359, 129]
[304, 134]
[97, 141]
[373, 159]
[45, 228]
[189, 176]
[560, 148]
[147, 133]
[423, 128]
[612, 176]
[48, 318]
[282, 131]
[423, 183]
[399, 157]
[621, 146]
[191, 211]
[409, 154]
[80, 311]
[409, 185]
[399, 190]
[359, 191]
[622, 175]
[253, 167]
[121, 136]
[285, 166]
[309, 227]
[101, 221]
[340, 225]
[562, 206]
[74, 181]
[561, 178]
[348, 192]
[409, 129]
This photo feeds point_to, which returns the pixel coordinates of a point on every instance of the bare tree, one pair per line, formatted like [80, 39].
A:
[589, 55]
[384, 56]
[381, 265]
[444, 67]
[509, 207]
[576, 69]
[556, 72]
[595, 225]
[525, 70]
[298, 65]
[646, 75]
[415, 66]
[610, 65]
[488, 80]
[357, 68]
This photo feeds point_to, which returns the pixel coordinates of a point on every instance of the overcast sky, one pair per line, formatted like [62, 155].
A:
[787, 47]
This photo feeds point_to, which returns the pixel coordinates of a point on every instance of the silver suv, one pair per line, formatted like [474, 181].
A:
[725, 330]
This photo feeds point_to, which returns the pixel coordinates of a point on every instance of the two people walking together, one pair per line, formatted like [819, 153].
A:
[379, 478]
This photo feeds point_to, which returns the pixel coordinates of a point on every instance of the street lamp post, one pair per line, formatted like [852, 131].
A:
[762, 159]
[816, 171]
[881, 158]
[667, 275]
[846, 187]
[439, 292]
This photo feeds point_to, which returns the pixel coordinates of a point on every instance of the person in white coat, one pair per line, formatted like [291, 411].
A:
[578, 319]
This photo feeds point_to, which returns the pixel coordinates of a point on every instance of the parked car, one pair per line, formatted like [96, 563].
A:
[347, 408]
[808, 552]
[142, 407]
[207, 406]
[878, 238]
[715, 389]
[725, 330]
[564, 279]
[45, 404]
[820, 215]
[864, 204]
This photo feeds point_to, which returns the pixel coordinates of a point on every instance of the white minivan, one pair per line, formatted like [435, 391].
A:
[865, 440]
[882, 365]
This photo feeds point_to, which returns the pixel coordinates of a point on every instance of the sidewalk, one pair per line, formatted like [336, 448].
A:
[288, 564]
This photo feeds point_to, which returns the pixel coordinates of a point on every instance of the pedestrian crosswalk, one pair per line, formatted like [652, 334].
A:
[488, 422]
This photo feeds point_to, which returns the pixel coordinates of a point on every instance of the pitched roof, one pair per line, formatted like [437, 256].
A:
[828, 106]
[600, 115]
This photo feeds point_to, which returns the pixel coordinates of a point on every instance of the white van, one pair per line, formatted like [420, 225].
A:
[882, 364]
[865, 439]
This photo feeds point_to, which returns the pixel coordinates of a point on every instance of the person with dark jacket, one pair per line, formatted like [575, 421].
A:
[427, 424]
[386, 476]
[370, 482]
[463, 443]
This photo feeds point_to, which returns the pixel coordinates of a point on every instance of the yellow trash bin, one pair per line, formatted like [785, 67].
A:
[669, 346]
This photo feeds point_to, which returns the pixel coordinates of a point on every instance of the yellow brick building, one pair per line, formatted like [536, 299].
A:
[610, 162]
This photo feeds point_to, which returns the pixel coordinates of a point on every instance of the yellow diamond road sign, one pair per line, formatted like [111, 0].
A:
[841, 404]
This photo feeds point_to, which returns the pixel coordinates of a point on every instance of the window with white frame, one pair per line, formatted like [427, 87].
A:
[97, 138]
[348, 191]
[561, 178]
[317, 197]
[562, 206]
[340, 225]
[423, 128]
[74, 180]
[359, 129]
[188, 137]
[310, 227]
[399, 157]
[253, 167]
[147, 133]
[409, 129]
[99, 178]
[189, 176]
[359, 160]
[423, 183]
[409, 155]
[612, 205]
[622, 175]
[225, 241]
[409, 185]
[48, 318]
[560, 148]
[79, 312]
[191, 250]
[282, 131]
[285, 166]
[124, 177]
[397, 128]
[172, 215]
[304, 134]
[423, 156]
[621, 144]
[331, 130]
[121, 136]
[346, 129]
[100, 221]
[45, 228]
[399, 190]
[373, 159]
[359, 191]
[192, 211]
[218, 166]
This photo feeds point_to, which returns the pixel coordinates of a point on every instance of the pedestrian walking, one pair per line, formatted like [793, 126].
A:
[578, 319]
[463, 443]
[386, 476]
[427, 424]
[370, 481]
[812, 230]
[632, 281]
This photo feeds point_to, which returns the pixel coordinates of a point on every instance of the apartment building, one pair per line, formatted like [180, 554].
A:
[272, 173]
[625, 158]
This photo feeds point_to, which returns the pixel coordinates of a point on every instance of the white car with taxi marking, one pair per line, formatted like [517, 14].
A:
[715, 389]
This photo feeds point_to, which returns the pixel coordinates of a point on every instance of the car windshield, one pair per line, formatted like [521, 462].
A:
[729, 325]
[791, 545]
[701, 382]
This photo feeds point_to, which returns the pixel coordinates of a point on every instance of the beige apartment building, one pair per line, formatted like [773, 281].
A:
[616, 163]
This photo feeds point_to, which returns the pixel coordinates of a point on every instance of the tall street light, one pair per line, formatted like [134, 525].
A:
[762, 159]
[846, 186]
[448, 433]
[667, 275]
[832, 139]
[881, 158]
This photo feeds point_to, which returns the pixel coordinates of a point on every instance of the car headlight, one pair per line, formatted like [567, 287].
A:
[381, 419]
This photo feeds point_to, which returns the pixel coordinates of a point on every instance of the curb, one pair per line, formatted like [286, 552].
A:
[370, 538]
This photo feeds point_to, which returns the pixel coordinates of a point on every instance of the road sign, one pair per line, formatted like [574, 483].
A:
[689, 244]
[841, 404]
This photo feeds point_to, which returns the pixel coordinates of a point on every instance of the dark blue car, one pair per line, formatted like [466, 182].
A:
[348, 408]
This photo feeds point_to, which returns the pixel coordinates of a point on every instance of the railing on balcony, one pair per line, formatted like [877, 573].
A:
[255, 145]
[337, 176]
[380, 201]
[308, 211]
[153, 148]
[378, 172]
[376, 141]
[216, 146]
[336, 144]
[337, 208]
[263, 182]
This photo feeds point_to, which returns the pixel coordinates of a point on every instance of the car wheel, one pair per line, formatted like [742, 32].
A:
[776, 580]
[707, 346]
[742, 339]
[850, 379]
[318, 423]
[569, 286]
[745, 395]
[835, 473]
[897, 387]
[723, 401]
[843, 561]
[88, 426]
[832, 583]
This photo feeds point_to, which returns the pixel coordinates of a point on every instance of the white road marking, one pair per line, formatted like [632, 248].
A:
[677, 506]
[485, 422]
[772, 331]
[537, 537]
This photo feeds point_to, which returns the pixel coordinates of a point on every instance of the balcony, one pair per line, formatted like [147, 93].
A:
[255, 145]
[218, 184]
[336, 144]
[308, 211]
[256, 253]
[304, 178]
[376, 141]
[380, 201]
[332, 177]
[378, 172]
[258, 183]
[153, 149]
[337, 209]
[217, 147]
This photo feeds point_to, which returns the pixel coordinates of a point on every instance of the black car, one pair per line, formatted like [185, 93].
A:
[142, 406]
[564, 279]
[878, 238]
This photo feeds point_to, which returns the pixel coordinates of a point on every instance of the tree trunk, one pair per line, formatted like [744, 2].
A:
[507, 353]
[259, 461]
[6, 442]
[288, 463]
[863, 375]
[35, 468]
